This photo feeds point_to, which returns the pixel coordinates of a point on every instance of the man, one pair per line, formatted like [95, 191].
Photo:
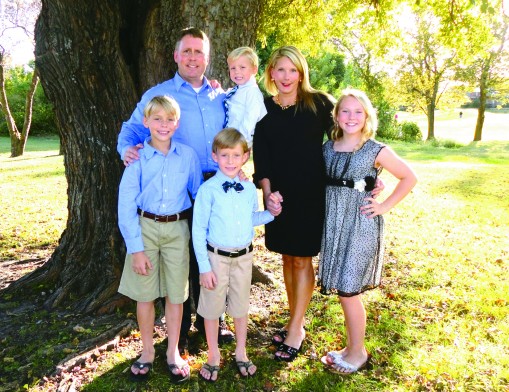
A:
[202, 117]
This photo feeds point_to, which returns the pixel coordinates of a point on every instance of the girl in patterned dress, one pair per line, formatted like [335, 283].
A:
[351, 255]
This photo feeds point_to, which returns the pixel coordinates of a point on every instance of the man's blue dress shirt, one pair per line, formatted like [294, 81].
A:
[201, 118]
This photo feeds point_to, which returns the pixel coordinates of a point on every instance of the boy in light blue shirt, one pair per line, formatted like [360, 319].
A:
[153, 208]
[225, 212]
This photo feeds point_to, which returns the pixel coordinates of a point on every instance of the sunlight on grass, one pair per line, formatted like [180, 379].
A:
[33, 187]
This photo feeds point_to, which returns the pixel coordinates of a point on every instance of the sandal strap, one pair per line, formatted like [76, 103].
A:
[211, 368]
[288, 349]
[142, 365]
[246, 364]
[342, 364]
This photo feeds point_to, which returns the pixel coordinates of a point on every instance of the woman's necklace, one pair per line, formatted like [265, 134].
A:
[284, 107]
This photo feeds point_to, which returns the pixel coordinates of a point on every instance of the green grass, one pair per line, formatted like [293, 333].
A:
[34, 196]
[440, 321]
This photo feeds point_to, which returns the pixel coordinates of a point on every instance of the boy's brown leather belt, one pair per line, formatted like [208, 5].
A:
[186, 214]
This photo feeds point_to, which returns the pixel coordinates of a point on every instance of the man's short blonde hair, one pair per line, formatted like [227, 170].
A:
[245, 51]
[165, 102]
[229, 138]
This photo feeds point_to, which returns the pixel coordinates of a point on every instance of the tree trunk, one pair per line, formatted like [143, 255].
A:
[432, 105]
[431, 121]
[483, 94]
[95, 59]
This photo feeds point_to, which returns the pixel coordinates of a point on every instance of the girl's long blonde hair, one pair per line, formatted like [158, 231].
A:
[305, 92]
[371, 124]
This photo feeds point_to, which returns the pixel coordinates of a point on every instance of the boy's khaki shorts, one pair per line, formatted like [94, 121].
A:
[167, 248]
[234, 282]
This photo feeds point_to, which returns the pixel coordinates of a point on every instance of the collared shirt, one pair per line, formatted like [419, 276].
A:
[225, 219]
[246, 108]
[158, 184]
[201, 118]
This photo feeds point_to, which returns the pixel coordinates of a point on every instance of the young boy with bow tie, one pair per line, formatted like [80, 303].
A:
[225, 212]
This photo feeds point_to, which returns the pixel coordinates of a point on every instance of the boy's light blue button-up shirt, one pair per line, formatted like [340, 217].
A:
[225, 219]
[158, 184]
[201, 118]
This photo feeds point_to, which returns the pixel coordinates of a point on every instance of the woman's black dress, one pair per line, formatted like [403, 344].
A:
[287, 150]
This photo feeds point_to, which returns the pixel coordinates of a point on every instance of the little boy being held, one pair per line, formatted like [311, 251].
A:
[244, 105]
[225, 212]
[153, 208]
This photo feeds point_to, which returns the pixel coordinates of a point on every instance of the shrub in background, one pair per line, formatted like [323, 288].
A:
[410, 132]
[387, 125]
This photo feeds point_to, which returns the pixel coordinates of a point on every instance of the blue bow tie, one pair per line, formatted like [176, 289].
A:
[235, 185]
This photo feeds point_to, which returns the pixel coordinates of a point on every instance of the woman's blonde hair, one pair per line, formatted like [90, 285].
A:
[371, 124]
[304, 92]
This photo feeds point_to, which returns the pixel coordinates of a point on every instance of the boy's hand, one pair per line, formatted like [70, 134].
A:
[273, 203]
[208, 280]
[131, 154]
[379, 187]
[141, 264]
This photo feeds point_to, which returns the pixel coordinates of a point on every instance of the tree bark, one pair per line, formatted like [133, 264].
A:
[482, 105]
[95, 59]
[431, 110]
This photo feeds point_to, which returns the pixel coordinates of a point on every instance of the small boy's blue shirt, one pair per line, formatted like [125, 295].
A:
[158, 184]
[226, 220]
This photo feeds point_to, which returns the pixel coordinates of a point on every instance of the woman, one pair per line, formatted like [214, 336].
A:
[288, 160]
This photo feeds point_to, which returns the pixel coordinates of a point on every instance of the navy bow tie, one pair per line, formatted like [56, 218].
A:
[235, 185]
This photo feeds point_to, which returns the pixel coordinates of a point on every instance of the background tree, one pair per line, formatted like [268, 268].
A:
[439, 37]
[366, 39]
[18, 80]
[95, 59]
[489, 69]
[16, 16]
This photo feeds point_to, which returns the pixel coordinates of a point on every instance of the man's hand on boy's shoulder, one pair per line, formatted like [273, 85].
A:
[132, 154]
[208, 280]
[141, 263]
